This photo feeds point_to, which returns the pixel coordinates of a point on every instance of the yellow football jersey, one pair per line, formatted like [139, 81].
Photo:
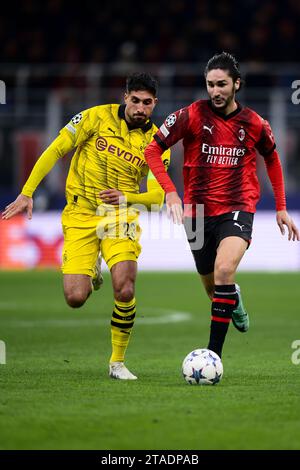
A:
[109, 154]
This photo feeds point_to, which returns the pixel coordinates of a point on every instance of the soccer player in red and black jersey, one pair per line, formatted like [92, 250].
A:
[220, 139]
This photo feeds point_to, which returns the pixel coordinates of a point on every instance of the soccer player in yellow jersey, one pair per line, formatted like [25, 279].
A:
[99, 219]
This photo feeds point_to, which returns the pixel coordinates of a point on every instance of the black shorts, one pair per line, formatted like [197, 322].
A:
[216, 228]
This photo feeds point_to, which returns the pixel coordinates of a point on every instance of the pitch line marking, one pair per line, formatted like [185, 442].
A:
[166, 317]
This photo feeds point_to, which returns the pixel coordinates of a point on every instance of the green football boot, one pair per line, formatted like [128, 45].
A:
[240, 317]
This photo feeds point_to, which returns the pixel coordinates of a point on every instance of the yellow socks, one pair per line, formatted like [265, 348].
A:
[121, 326]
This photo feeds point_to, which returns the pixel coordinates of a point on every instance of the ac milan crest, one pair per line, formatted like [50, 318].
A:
[242, 134]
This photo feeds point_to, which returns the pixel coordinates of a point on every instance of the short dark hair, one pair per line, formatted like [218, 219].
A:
[141, 81]
[224, 61]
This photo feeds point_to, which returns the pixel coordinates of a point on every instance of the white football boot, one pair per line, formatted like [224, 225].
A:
[117, 370]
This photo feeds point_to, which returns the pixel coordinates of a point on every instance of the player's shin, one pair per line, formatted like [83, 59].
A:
[224, 301]
[121, 327]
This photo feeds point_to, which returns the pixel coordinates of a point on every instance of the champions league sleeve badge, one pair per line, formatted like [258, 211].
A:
[76, 119]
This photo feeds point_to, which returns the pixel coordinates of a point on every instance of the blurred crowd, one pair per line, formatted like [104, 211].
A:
[59, 31]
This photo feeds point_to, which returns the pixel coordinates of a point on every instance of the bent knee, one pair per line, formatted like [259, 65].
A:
[76, 299]
[224, 271]
[124, 293]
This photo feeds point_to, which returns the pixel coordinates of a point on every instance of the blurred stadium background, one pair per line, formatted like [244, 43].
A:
[57, 61]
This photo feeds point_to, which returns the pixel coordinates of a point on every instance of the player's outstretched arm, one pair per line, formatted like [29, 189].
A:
[283, 219]
[151, 200]
[153, 154]
[21, 204]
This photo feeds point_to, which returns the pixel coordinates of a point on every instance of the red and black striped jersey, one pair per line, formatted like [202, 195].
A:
[219, 155]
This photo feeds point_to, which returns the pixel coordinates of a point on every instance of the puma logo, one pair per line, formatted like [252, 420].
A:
[241, 226]
[209, 129]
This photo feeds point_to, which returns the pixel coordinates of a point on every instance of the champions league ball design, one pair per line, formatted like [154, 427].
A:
[202, 367]
[170, 121]
[76, 119]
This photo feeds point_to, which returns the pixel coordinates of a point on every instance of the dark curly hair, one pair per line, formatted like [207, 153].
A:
[141, 81]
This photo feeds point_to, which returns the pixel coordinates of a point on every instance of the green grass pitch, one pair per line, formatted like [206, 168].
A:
[55, 392]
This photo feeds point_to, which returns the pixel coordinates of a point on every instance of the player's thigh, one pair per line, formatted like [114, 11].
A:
[229, 253]
[233, 234]
[116, 250]
[234, 224]
[80, 250]
[78, 285]
[204, 256]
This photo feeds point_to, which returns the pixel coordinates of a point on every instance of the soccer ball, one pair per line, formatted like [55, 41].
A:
[202, 367]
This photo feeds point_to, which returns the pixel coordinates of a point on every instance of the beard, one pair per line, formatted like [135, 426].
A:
[221, 103]
[138, 120]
